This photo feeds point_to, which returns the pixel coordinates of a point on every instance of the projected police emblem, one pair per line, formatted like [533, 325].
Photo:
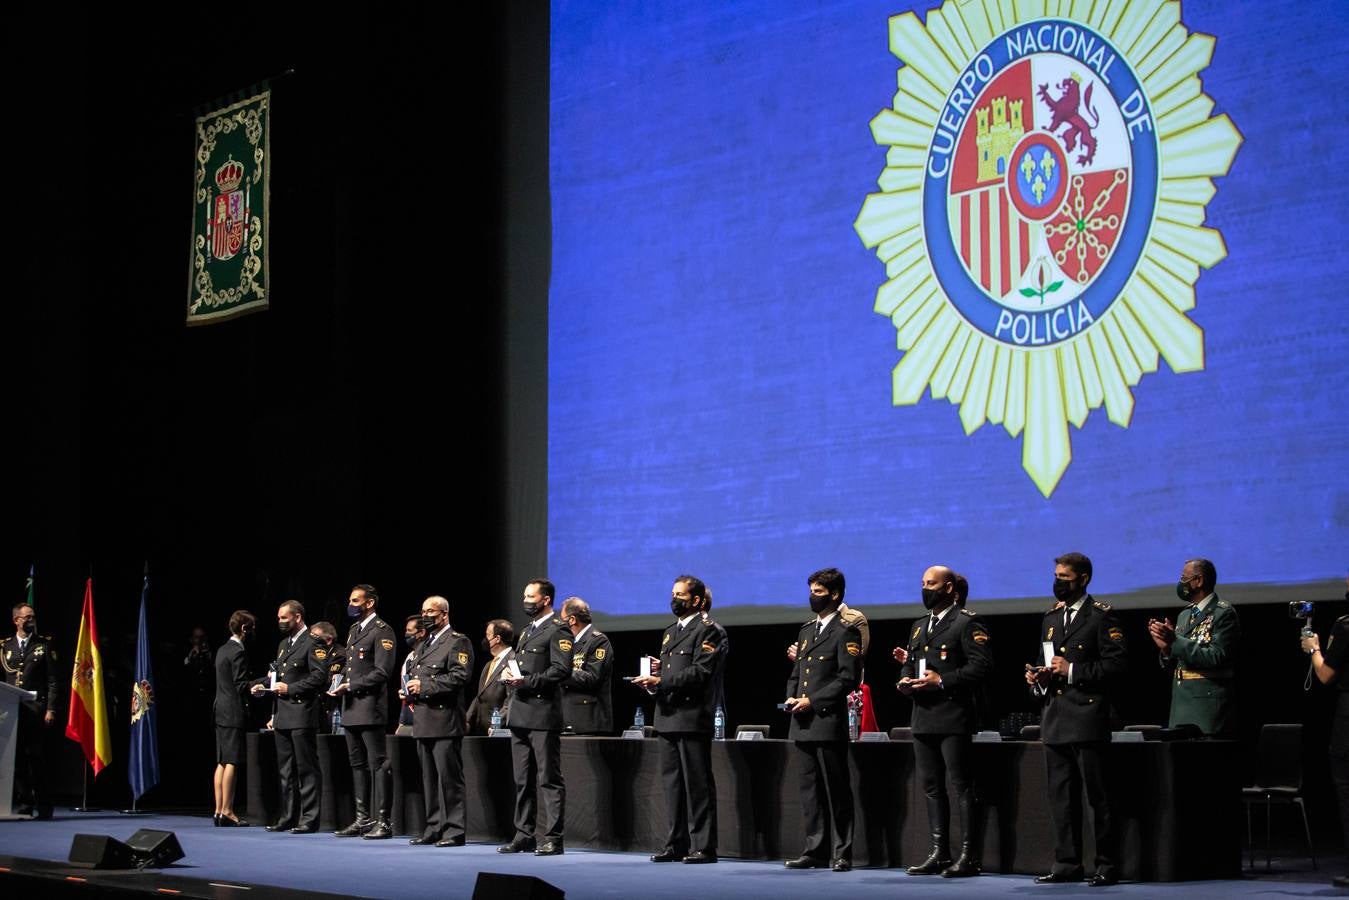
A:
[1041, 212]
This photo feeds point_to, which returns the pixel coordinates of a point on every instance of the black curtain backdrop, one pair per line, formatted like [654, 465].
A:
[385, 419]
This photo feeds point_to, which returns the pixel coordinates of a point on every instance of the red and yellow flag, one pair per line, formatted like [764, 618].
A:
[88, 722]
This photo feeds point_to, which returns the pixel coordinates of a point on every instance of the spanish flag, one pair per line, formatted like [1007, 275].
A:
[88, 722]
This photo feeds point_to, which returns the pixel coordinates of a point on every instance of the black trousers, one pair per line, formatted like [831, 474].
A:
[690, 792]
[826, 795]
[370, 763]
[1068, 767]
[30, 772]
[1339, 760]
[442, 762]
[297, 763]
[537, 759]
[935, 756]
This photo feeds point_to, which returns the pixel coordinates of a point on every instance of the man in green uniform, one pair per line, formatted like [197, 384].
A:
[1202, 648]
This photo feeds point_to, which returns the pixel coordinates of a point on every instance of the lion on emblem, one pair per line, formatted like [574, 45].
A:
[1066, 112]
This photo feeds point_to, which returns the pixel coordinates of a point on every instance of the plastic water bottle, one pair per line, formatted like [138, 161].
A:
[337, 721]
[854, 723]
[719, 724]
[639, 718]
[496, 717]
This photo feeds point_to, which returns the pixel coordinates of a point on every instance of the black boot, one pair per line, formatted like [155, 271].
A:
[939, 819]
[969, 863]
[382, 831]
[363, 821]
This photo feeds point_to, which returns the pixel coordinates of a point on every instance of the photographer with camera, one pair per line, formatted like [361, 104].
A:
[1202, 648]
[1328, 666]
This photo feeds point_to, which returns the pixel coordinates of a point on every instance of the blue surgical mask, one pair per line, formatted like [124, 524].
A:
[354, 611]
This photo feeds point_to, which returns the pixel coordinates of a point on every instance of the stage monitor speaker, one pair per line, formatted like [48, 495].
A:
[155, 849]
[496, 886]
[99, 851]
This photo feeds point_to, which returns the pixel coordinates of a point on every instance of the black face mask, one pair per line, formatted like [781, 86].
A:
[680, 608]
[1063, 589]
[354, 611]
[485, 645]
[410, 640]
[931, 597]
[28, 627]
[532, 609]
[427, 624]
[1184, 591]
[818, 604]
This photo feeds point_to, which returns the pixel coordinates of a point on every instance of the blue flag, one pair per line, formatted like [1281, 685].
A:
[143, 768]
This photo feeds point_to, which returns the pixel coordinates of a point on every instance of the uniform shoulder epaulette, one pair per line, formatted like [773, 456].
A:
[1342, 618]
[808, 622]
[380, 623]
[597, 634]
[966, 612]
[1223, 604]
[1055, 608]
[1103, 607]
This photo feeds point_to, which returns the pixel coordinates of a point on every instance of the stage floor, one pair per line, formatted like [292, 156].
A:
[322, 863]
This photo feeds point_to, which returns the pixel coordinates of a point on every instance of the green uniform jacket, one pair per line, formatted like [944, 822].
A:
[1203, 660]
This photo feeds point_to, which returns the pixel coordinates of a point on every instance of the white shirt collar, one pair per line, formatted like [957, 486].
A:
[941, 615]
[432, 637]
[582, 632]
[542, 618]
[237, 639]
[366, 621]
[820, 623]
[687, 619]
[1203, 604]
[1077, 607]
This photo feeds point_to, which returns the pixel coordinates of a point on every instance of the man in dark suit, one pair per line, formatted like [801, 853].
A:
[828, 667]
[29, 662]
[437, 680]
[231, 713]
[946, 661]
[690, 655]
[334, 657]
[535, 721]
[1087, 654]
[365, 714]
[493, 693]
[295, 679]
[587, 703]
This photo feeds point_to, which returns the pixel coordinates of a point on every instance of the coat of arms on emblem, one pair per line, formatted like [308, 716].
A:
[228, 225]
[1040, 214]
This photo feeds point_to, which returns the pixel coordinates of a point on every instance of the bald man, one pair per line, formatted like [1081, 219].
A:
[587, 703]
[947, 658]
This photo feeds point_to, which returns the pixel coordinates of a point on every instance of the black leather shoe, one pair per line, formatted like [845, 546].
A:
[842, 865]
[519, 845]
[549, 848]
[1340, 881]
[307, 828]
[1060, 877]
[1099, 880]
[233, 822]
[281, 826]
[450, 842]
[381, 832]
[355, 829]
[215, 819]
[666, 856]
[965, 867]
[807, 862]
[698, 857]
[423, 841]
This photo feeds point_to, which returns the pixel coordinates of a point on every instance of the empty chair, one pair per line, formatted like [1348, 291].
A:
[1030, 732]
[901, 733]
[1278, 780]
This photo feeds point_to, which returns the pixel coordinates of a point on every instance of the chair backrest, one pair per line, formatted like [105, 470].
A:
[1142, 728]
[762, 729]
[1030, 732]
[1279, 757]
[901, 733]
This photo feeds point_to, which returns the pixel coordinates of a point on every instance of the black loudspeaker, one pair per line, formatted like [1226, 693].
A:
[495, 886]
[98, 851]
[154, 849]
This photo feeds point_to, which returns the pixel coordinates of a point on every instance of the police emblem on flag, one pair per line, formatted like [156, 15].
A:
[1041, 212]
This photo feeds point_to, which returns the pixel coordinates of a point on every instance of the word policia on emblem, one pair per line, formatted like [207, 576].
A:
[228, 271]
[1041, 211]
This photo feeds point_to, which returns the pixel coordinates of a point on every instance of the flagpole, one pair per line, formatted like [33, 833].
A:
[84, 806]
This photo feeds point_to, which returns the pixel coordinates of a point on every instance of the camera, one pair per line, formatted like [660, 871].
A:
[1300, 609]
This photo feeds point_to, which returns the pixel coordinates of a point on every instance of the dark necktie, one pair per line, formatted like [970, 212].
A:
[931, 625]
[1068, 618]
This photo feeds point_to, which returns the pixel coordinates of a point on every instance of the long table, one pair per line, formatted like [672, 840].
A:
[1177, 804]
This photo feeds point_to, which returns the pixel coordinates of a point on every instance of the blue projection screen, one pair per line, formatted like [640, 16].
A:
[1072, 286]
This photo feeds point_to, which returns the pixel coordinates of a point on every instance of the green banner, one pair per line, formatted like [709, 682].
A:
[228, 275]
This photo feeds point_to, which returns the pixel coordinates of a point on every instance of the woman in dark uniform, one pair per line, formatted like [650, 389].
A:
[231, 714]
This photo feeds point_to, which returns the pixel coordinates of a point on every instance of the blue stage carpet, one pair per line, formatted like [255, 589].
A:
[393, 869]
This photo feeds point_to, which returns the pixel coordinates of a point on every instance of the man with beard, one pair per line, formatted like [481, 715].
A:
[295, 679]
[535, 721]
[946, 660]
[828, 667]
[1087, 654]
[690, 655]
